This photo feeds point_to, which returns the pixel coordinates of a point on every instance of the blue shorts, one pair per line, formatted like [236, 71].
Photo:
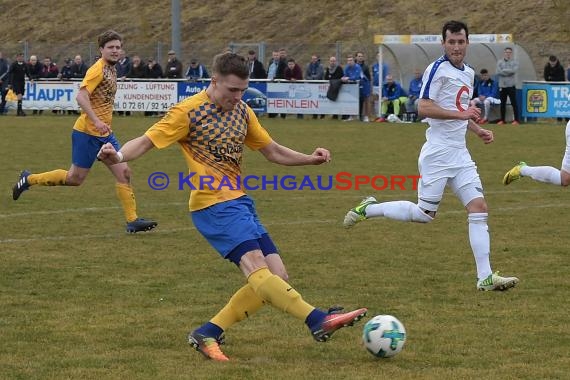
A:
[228, 224]
[84, 148]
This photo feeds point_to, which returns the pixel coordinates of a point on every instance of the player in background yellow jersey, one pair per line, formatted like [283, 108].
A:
[213, 127]
[91, 130]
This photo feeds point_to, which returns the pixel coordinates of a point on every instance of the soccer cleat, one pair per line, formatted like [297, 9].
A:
[207, 346]
[140, 225]
[514, 173]
[496, 282]
[500, 122]
[358, 213]
[21, 186]
[336, 320]
[515, 122]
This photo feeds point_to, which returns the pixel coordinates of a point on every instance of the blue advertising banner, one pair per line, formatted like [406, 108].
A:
[543, 99]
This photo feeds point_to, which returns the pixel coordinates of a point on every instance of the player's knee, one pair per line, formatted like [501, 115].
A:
[477, 205]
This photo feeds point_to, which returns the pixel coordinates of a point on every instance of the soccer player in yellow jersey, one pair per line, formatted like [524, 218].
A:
[212, 128]
[91, 130]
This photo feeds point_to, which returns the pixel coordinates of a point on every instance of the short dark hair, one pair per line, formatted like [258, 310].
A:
[230, 63]
[454, 27]
[109, 35]
[552, 58]
[484, 71]
[251, 52]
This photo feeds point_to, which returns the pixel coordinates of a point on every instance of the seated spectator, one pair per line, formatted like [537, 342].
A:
[414, 93]
[78, 68]
[196, 70]
[487, 93]
[173, 66]
[392, 95]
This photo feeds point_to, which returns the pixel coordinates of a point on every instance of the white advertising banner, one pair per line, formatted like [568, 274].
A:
[51, 95]
[311, 98]
[146, 96]
[272, 97]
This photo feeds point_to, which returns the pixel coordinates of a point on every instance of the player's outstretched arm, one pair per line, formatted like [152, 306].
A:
[282, 155]
[132, 150]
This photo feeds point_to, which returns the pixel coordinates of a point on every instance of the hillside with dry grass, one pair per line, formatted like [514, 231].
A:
[540, 26]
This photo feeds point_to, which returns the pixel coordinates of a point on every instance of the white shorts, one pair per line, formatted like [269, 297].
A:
[566, 159]
[442, 165]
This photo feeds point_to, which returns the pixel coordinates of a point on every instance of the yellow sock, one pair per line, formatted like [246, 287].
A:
[243, 304]
[274, 290]
[127, 198]
[53, 178]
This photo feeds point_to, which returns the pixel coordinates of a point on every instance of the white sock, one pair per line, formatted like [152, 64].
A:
[546, 174]
[480, 243]
[404, 211]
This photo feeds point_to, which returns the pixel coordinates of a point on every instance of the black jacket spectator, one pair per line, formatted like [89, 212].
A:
[554, 71]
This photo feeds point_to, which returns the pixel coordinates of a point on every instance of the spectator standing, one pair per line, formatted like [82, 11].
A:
[137, 68]
[353, 73]
[486, 93]
[314, 69]
[66, 72]
[4, 68]
[196, 70]
[272, 68]
[554, 72]
[364, 87]
[78, 68]
[293, 73]
[173, 68]
[18, 72]
[333, 72]
[507, 68]
[414, 94]
[35, 67]
[49, 69]
[568, 71]
[153, 70]
[123, 65]
[256, 69]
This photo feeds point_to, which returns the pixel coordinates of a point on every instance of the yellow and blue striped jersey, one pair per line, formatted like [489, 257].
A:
[101, 82]
[212, 143]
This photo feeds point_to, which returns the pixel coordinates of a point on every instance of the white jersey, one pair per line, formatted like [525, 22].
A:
[451, 89]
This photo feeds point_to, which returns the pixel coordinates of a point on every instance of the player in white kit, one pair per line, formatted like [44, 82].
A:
[444, 158]
[546, 174]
